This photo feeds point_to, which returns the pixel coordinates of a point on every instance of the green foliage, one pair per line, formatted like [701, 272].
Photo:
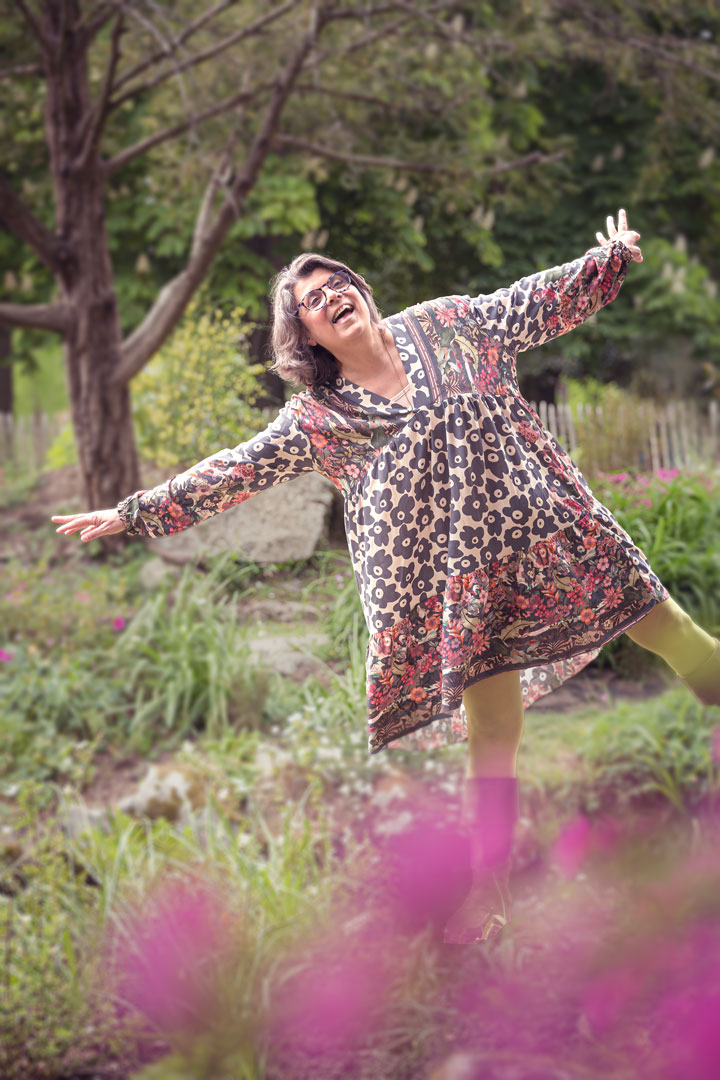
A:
[53, 1011]
[675, 519]
[63, 449]
[186, 665]
[39, 381]
[663, 749]
[199, 391]
[613, 431]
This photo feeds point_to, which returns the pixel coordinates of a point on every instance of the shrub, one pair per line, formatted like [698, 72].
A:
[674, 517]
[664, 747]
[608, 439]
[185, 663]
[199, 392]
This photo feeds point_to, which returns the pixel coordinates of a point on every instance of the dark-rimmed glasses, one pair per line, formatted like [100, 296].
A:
[317, 298]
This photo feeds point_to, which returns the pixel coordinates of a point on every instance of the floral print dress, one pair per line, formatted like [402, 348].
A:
[477, 545]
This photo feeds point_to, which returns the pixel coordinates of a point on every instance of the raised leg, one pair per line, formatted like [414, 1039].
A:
[691, 652]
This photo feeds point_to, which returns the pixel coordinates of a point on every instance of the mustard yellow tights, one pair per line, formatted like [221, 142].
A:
[494, 705]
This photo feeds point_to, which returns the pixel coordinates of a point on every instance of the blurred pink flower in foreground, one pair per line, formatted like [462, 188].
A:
[715, 744]
[168, 959]
[667, 474]
[119, 623]
[573, 845]
[332, 1000]
[5, 657]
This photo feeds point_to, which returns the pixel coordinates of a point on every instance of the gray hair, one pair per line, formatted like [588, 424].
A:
[294, 359]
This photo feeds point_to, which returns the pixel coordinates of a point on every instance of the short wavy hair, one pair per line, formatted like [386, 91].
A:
[294, 359]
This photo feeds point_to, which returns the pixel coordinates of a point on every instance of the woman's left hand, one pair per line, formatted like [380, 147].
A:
[628, 237]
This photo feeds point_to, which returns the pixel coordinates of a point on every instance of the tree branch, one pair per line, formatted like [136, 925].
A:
[367, 161]
[92, 23]
[366, 99]
[172, 300]
[32, 20]
[132, 152]
[20, 70]
[57, 317]
[221, 177]
[187, 33]
[100, 110]
[207, 54]
[18, 218]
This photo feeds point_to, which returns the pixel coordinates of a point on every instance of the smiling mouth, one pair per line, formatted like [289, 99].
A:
[342, 313]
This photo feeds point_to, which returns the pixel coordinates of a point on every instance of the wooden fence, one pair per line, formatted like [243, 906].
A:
[642, 435]
[25, 440]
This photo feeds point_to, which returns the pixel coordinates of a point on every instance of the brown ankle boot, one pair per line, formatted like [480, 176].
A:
[492, 810]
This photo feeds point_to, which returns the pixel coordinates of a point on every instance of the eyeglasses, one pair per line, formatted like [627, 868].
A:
[317, 298]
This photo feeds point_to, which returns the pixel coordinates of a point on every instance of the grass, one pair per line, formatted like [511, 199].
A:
[288, 888]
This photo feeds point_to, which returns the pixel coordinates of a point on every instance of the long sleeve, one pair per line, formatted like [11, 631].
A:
[226, 478]
[551, 302]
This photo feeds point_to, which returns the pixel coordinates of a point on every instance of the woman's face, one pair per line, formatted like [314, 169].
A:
[332, 326]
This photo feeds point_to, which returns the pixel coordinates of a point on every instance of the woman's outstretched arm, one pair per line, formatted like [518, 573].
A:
[226, 478]
[552, 302]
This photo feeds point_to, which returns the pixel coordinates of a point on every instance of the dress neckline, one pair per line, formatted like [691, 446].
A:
[341, 383]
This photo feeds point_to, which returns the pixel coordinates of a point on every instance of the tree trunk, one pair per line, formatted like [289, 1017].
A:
[6, 372]
[100, 410]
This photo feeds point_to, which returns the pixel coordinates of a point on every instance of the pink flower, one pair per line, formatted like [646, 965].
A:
[667, 474]
[619, 477]
[5, 657]
[573, 845]
[445, 316]
[119, 623]
[82, 597]
[170, 962]
[715, 744]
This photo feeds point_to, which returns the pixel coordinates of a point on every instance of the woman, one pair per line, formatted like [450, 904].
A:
[488, 572]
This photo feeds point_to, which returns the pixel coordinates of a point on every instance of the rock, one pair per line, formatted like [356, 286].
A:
[285, 522]
[282, 611]
[156, 572]
[77, 818]
[292, 658]
[171, 791]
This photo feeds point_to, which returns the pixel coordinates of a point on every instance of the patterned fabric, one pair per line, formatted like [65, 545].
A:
[477, 544]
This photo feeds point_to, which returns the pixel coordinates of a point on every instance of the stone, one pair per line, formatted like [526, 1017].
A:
[77, 818]
[280, 611]
[156, 572]
[292, 658]
[282, 523]
[171, 791]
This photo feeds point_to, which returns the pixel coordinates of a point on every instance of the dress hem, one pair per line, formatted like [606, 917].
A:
[578, 651]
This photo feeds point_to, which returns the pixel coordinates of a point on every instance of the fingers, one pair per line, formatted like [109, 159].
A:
[90, 525]
[601, 239]
[72, 523]
[610, 225]
[622, 221]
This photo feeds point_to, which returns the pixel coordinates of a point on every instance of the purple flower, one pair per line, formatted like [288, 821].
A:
[119, 623]
[5, 657]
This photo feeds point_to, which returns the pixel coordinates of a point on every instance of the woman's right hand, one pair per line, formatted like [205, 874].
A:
[96, 523]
